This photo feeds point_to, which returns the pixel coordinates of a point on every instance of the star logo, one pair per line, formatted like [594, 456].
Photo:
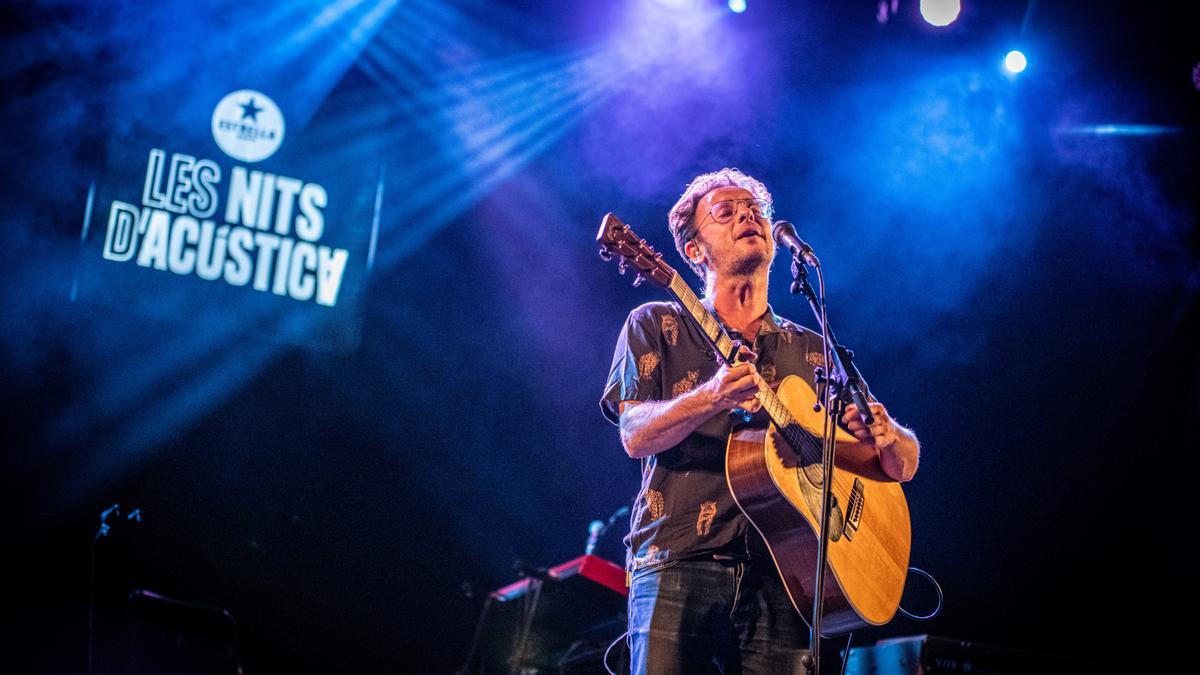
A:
[247, 125]
[250, 110]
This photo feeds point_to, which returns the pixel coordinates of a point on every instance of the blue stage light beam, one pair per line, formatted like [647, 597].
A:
[737, 6]
[297, 51]
[498, 106]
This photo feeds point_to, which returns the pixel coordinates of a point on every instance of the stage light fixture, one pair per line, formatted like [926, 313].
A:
[737, 6]
[1015, 62]
[940, 12]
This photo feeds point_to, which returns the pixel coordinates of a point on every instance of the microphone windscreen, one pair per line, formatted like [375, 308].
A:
[779, 228]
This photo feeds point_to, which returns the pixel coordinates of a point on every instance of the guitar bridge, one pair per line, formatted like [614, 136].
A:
[854, 509]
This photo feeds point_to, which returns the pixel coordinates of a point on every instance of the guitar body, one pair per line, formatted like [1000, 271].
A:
[781, 495]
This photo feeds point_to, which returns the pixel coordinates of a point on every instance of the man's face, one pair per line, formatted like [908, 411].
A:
[732, 236]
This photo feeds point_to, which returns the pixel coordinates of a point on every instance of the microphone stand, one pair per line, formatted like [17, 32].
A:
[843, 380]
[843, 366]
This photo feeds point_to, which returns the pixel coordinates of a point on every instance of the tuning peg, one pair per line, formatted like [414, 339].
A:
[637, 281]
[605, 254]
[622, 266]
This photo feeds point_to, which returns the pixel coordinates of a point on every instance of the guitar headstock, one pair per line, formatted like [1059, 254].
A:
[618, 240]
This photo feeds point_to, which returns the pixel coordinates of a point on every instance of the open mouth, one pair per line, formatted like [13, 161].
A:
[750, 233]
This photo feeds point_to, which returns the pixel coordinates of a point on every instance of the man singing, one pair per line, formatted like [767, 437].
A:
[704, 591]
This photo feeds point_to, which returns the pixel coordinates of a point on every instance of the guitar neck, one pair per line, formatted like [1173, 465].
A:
[703, 319]
[783, 420]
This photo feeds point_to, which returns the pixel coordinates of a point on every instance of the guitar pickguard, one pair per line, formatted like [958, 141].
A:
[811, 490]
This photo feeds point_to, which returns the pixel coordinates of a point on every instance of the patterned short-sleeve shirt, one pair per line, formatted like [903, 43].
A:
[684, 508]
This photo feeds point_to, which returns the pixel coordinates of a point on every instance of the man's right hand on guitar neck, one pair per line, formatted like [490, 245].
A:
[735, 386]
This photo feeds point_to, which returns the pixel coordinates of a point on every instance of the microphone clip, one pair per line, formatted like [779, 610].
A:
[799, 276]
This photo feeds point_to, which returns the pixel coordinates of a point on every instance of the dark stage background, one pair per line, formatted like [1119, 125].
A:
[1012, 256]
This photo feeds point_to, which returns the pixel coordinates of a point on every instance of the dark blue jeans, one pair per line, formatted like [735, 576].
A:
[700, 616]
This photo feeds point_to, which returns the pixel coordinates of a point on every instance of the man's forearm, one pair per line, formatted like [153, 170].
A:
[653, 426]
[899, 460]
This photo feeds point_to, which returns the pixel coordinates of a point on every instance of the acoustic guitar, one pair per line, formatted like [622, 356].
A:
[775, 475]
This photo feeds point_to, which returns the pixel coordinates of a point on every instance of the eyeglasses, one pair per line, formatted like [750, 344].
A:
[724, 210]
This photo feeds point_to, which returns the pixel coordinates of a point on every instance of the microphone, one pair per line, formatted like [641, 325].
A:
[595, 529]
[784, 234]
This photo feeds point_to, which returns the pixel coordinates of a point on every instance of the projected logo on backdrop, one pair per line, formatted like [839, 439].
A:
[248, 126]
[267, 235]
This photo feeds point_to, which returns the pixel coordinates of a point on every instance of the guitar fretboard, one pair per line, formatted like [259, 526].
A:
[801, 441]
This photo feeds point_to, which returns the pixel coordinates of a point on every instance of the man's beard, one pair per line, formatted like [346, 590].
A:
[749, 264]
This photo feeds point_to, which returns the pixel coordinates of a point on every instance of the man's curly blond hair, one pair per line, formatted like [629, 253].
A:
[682, 217]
